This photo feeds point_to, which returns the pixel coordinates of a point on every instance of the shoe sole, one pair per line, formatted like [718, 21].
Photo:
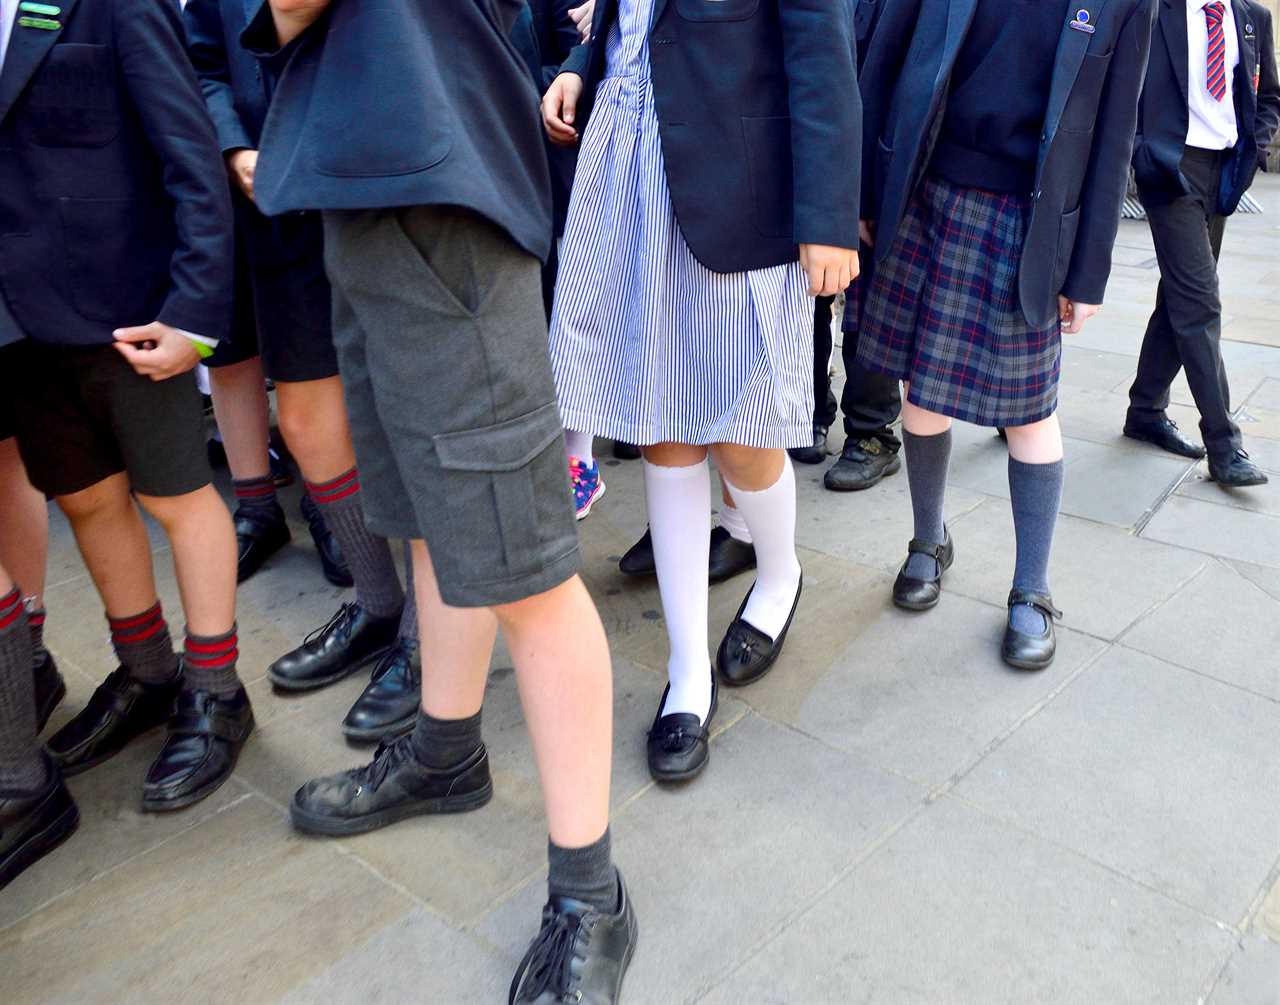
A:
[1198, 456]
[205, 791]
[285, 684]
[892, 468]
[393, 729]
[310, 823]
[917, 608]
[55, 699]
[596, 496]
[38, 845]
[1027, 664]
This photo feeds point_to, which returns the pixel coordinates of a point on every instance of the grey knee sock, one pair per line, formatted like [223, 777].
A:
[442, 743]
[1036, 493]
[368, 556]
[585, 874]
[409, 616]
[22, 768]
[928, 458]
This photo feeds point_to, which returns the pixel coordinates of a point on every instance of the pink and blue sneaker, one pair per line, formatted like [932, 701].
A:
[588, 486]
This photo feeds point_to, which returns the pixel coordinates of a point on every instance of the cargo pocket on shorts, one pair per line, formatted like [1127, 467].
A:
[508, 512]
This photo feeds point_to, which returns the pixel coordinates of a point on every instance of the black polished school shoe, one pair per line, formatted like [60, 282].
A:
[580, 955]
[746, 654]
[1025, 651]
[333, 563]
[913, 594]
[50, 688]
[1235, 470]
[389, 705]
[32, 824]
[120, 710]
[260, 533]
[349, 640]
[678, 745]
[1165, 434]
[729, 556]
[206, 735]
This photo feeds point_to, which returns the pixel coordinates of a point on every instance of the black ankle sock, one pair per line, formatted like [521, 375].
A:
[442, 743]
[585, 874]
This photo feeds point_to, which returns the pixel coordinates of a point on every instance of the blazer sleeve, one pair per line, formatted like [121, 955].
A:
[164, 92]
[818, 53]
[564, 39]
[884, 53]
[1107, 176]
[1268, 117]
[207, 47]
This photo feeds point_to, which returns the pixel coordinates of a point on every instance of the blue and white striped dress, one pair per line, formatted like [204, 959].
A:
[648, 345]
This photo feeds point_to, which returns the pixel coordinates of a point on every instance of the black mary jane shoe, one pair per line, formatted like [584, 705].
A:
[206, 735]
[678, 744]
[1025, 651]
[32, 824]
[389, 705]
[579, 956]
[50, 688]
[260, 533]
[333, 563]
[119, 711]
[746, 654]
[351, 639]
[914, 594]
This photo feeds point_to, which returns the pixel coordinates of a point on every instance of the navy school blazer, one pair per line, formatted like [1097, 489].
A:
[758, 108]
[1083, 166]
[1163, 114]
[391, 103]
[114, 209]
[230, 77]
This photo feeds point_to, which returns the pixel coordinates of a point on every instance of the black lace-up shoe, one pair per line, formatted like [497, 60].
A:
[580, 956]
[349, 640]
[120, 710]
[332, 561]
[1236, 471]
[260, 533]
[678, 744]
[32, 824]
[389, 705]
[1165, 434]
[206, 735]
[50, 688]
[392, 787]
[746, 654]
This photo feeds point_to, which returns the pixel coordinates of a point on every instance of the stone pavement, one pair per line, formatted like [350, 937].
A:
[891, 817]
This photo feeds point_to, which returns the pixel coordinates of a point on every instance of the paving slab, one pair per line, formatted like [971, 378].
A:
[1221, 624]
[716, 866]
[1255, 499]
[1107, 769]
[237, 912]
[957, 907]
[1252, 977]
[1225, 531]
[1103, 577]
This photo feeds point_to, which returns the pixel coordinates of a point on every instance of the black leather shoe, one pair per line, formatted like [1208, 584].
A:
[1165, 434]
[639, 561]
[862, 464]
[677, 746]
[1235, 471]
[389, 705]
[815, 452]
[392, 787]
[1025, 651]
[120, 710]
[206, 735]
[625, 451]
[260, 533]
[729, 556]
[32, 824]
[332, 561]
[349, 640]
[746, 654]
[912, 594]
[50, 688]
[580, 955]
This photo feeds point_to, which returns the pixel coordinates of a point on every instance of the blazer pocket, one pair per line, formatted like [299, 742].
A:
[768, 149]
[117, 258]
[71, 101]
[1068, 225]
[1082, 106]
[717, 10]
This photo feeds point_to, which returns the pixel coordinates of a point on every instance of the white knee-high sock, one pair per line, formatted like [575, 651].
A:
[679, 501]
[579, 445]
[771, 517]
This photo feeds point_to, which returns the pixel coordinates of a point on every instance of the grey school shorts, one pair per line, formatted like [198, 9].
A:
[442, 346]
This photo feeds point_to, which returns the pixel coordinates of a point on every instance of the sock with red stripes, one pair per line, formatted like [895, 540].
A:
[35, 621]
[209, 663]
[368, 556]
[22, 768]
[143, 646]
[256, 493]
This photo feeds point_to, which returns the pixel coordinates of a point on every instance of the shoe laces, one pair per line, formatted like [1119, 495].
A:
[341, 619]
[548, 965]
[389, 756]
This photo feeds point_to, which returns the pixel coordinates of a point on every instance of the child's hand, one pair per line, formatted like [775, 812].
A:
[559, 106]
[581, 18]
[156, 350]
[242, 164]
[830, 270]
[1073, 315]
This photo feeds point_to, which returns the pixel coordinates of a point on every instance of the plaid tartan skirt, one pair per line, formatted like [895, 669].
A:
[943, 311]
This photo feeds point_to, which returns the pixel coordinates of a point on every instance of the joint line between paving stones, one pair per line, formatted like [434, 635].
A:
[1163, 498]
[1119, 639]
[1203, 675]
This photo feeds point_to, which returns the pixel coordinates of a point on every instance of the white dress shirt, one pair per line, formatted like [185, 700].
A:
[1212, 123]
[8, 14]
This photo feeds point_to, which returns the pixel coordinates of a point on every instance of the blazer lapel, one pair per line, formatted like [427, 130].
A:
[1173, 26]
[959, 17]
[27, 50]
[1072, 46]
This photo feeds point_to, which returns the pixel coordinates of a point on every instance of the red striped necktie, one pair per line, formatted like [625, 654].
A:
[1216, 73]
